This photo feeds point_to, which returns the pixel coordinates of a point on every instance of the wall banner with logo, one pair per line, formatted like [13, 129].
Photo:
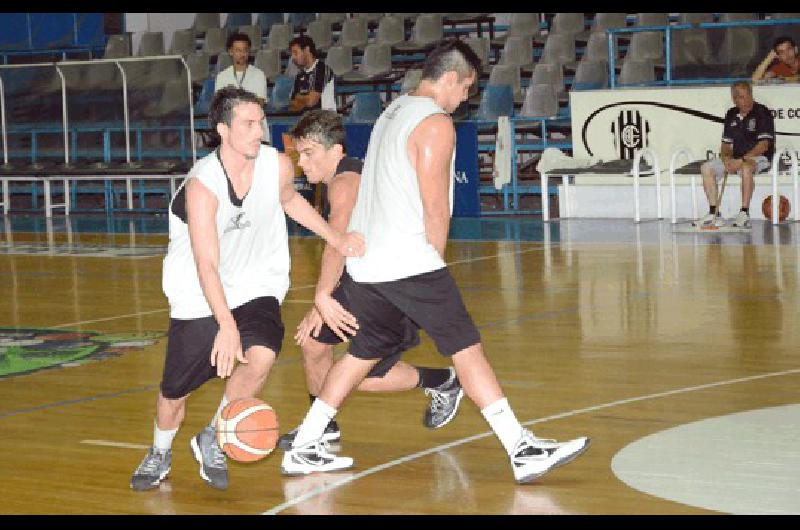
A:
[612, 124]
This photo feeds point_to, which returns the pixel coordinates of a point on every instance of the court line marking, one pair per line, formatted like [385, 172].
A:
[298, 288]
[110, 443]
[414, 456]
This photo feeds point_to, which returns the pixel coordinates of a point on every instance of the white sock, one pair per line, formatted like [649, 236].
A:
[222, 405]
[318, 417]
[162, 440]
[504, 424]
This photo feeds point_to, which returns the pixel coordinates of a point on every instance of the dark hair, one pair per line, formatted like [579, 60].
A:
[451, 55]
[322, 126]
[781, 40]
[304, 41]
[221, 108]
[238, 37]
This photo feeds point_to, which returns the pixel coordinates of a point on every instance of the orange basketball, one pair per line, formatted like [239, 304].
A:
[784, 207]
[247, 429]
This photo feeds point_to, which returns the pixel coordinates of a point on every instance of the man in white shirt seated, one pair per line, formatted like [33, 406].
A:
[241, 74]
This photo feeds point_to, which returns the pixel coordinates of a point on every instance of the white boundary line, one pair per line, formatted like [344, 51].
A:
[324, 489]
[109, 443]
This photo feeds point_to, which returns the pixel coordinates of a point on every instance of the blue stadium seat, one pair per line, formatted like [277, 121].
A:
[281, 93]
[367, 106]
[496, 101]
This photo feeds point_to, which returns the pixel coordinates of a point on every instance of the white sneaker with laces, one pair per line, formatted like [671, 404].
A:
[710, 219]
[533, 457]
[742, 220]
[312, 457]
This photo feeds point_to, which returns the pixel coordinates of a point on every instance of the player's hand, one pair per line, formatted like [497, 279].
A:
[341, 321]
[771, 56]
[308, 327]
[350, 245]
[227, 350]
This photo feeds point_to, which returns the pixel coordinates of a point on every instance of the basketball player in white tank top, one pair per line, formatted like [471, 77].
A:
[225, 274]
[403, 209]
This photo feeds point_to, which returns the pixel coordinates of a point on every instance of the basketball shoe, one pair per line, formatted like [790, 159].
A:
[710, 219]
[444, 402]
[742, 220]
[533, 457]
[312, 457]
[153, 469]
[213, 467]
[331, 434]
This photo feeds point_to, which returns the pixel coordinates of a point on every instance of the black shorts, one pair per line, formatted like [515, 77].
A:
[406, 329]
[430, 301]
[189, 342]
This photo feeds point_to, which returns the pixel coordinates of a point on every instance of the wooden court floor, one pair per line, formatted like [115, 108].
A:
[615, 340]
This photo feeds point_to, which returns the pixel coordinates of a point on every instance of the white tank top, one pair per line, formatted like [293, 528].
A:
[253, 242]
[388, 211]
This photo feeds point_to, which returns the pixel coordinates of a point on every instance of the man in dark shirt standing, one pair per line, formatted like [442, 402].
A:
[312, 76]
[748, 144]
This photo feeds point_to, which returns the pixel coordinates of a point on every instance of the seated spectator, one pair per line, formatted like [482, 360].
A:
[312, 76]
[781, 62]
[748, 144]
[241, 74]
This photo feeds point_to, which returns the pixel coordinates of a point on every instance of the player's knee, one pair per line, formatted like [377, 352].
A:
[260, 359]
[314, 351]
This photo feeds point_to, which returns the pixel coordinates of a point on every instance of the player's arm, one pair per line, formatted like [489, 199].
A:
[342, 196]
[201, 210]
[430, 149]
[296, 207]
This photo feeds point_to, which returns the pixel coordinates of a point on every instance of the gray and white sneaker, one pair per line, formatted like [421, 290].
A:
[313, 457]
[153, 469]
[444, 402]
[710, 219]
[533, 457]
[213, 467]
[742, 220]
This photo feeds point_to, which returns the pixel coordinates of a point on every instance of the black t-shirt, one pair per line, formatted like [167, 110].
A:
[745, 132]
[349, 163]
[316, 79]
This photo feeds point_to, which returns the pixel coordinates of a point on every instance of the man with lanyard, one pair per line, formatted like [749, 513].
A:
[312, 76]
[243, 75]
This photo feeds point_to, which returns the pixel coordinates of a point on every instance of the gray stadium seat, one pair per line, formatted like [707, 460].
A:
[597, 47]
[371, 17]
[481, 46]
[695, 18]
[604, 21]
[391, 30]
[223, 61]
[568, 23]
[521, 24]
[737, 17]
[355, 33]
[340, 59]
[540, 102]
[269, 62]
[152, 43]
[215, 41]
[738, 49]
[559, 48]
[428, 29]
[647, 45]
[279, 36]
[320, 33]
[254, 32]
[204, 21]
[518, 51]
[266, 20]
[549, 74]
[377, 60]
[183, 42]
[198, 66]
[301, 20]
[636, 72]
[507, 74]
[332, 18]
[590, 75]
[652, 19]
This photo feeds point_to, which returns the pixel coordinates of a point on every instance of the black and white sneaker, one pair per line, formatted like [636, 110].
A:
[444, 402]
[313, 457]
[153, 469]
[331, 434]
[533, 457]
